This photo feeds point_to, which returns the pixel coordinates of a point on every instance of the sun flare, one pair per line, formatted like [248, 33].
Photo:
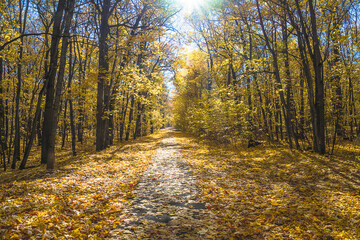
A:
[191, 5]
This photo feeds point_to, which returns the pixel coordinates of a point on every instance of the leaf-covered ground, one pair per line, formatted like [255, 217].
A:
[276, 193]
[132, 191]
[83, 199]
[168, 203]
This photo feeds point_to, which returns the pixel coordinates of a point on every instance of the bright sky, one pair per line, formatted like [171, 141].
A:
[190, 5]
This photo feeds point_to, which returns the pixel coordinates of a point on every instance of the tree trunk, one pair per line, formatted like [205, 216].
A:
[81, 119]
[277, 113]
[22, 24]
[248, 81]
[38, 129]
[2, 120]
[64, 127]
[138, 120]
[290, 106]
[71, 113]
[111, 130]
[16, 153]
[144, 124]
[319, 84]
[102, 76]
[72, 128]
[302, 107]
[81, 103]
[53, 94]
[351, 108]
[128, 129]
[123, 118]
[33, 129]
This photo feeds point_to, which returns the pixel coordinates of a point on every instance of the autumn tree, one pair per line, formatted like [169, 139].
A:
[266, 51]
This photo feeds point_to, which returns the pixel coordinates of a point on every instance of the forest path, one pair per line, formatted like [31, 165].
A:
[167, 202]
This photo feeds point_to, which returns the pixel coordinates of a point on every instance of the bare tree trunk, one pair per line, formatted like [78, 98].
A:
[38, 129]
[53, 94]
[302, 107]
[128, 129]
[22, 24]
[123, 118]
[64, 126]
[279, 133]
[351, 108]
[72, 128]
[46, 152]
[71, 113]
[2, 120]
[140, 110]
[111, 122]
[290, 106]
[33, 129]
[11, 133]
[102, 76]
[39, 119]
[81, 119]
[248, 82]
[319, 83]
[81, 102]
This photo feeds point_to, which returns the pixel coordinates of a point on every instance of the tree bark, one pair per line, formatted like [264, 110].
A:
[123, 118]
[128, 129]
[72, 128]
[319, 83]
[81, 102]
[71, 112]
[33, 129]
[64, 126]
[102, 76]
[140, 110]
[63, 16]
[22, 24]
[290, 106]
[2, 120]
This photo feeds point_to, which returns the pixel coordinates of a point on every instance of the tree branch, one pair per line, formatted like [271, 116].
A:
[25, 35]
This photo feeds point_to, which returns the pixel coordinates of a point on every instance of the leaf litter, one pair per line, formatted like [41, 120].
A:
[81, 200]
[276, 193]
[174, 186]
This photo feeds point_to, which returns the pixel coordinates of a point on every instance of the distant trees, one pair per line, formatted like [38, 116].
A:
[267, 56]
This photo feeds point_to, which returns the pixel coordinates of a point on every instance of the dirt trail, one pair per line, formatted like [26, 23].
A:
[167, 203]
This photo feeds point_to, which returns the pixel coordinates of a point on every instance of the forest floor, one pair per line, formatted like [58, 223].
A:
[174, 186]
